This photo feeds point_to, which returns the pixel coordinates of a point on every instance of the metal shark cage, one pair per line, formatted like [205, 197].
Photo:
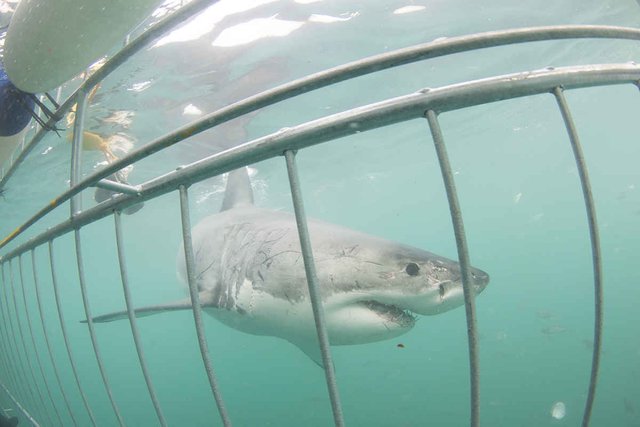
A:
[29, 389]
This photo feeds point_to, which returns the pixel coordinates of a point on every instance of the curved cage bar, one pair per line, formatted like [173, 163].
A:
[112, 64]
[52, 359]
[427, 103]
[65, 335]
[92, 333]
[307, 84]
[36, 353]
[196, 308]
[465, 264]
[314, 287]
[594, 235]
[132, 318]
[28, 367]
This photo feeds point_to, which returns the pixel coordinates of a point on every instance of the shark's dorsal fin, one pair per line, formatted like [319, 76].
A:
[238, 192]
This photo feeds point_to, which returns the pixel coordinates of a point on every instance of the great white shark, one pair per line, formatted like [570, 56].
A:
[250, 276]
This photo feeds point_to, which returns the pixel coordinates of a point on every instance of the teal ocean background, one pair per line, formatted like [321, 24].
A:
[519, 191]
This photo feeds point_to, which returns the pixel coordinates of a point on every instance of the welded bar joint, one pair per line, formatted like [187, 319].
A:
[314, 288]
[465, 265]
[595, 251]
[118, 187]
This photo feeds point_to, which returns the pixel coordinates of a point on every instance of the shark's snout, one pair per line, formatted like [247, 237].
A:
[480, 279]
[440, 289]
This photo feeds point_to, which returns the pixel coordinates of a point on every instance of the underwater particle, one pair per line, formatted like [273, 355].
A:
[537, 217]
[501, 336]
[629, 407]
[400, 345]
[408, 9]
[553, 330]
[517, 198]
[545, 314]
[558, 410]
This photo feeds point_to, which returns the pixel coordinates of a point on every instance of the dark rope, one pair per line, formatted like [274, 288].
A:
[52, 100]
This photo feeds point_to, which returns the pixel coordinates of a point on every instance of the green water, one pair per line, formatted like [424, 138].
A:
[519, 191]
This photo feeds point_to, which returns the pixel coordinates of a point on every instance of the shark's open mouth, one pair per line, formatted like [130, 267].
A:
[391, 313]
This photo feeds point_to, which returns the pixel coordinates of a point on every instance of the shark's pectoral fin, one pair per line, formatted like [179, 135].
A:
[184, 304]
[312, 350]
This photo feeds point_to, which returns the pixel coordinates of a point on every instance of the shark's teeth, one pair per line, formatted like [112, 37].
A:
[391, 312]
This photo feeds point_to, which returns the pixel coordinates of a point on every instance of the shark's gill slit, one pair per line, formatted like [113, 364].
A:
[441, 290]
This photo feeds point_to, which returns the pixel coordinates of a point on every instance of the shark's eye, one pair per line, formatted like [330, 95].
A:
[412, 269]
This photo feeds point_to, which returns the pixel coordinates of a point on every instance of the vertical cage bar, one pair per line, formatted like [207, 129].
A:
[45, 333]
[5, 366]
[24, 347]
[595, 251]
[23, 411]
[65, 336]
[195, 302]
[3, 359]
[92, 333]
[8, 359]
[314, 287]
[4, 339]
[132, 318]
[24, 370]
[76, 150]
[17, 369]
[33, 342]
[465, 265]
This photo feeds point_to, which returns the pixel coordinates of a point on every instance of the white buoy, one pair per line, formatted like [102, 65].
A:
[558, 410]
[49, 42]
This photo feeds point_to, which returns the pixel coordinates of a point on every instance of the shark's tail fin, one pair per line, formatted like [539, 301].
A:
[238, 192]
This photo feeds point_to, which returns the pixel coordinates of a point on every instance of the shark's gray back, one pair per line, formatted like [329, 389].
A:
[246, 246]
[242, 246]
